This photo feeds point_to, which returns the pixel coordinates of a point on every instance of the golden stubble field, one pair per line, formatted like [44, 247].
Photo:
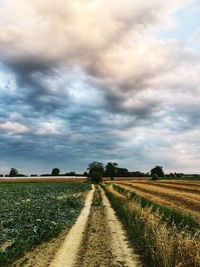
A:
[180, 195]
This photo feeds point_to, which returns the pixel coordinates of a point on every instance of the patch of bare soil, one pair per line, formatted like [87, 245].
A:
[43, 254]
[104, 241]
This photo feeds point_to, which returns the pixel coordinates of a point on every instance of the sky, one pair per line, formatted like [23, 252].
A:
[99, 80]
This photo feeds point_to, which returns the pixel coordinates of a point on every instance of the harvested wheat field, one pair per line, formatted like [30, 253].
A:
[139, 179]
[181, 195]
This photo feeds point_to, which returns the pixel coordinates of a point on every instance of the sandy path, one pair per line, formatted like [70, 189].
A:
[121, 248]
[67, 252]
[104, 243]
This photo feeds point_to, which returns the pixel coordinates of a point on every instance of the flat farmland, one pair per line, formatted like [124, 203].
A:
[60, 224]
[181, 195]
[32, 213]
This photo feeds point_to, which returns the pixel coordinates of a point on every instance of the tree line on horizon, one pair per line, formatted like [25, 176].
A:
[98, 169]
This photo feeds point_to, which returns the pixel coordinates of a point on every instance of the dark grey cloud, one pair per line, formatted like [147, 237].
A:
[93, 86]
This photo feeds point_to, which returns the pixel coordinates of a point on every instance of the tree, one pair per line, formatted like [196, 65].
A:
[96, 176]
[157, 170]
[13, 172]
[111, 170]
[123, 172]
[96, 171]
[96, 166]
[55, 172]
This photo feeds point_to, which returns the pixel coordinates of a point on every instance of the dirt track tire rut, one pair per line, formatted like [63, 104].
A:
[97, 240]
[104, 243]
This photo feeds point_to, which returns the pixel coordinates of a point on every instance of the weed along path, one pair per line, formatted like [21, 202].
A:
[97, 239]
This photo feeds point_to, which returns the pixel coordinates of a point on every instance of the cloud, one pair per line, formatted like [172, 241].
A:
[107, 40]
[13, 128]
[87, 77]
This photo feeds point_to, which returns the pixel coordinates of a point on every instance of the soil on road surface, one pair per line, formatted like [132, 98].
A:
[104, 242]
[96, 240]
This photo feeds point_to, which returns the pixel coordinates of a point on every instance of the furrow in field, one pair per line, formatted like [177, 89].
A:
[178, 187]
[170, 202]
[185, 194]
[181, 182]
[195, 184]
[189, 189]
[184, 200]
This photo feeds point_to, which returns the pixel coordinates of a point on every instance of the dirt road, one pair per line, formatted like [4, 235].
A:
[102, 243]
[96, 240]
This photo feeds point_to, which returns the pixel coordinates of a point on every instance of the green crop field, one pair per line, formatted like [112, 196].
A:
[34, 212]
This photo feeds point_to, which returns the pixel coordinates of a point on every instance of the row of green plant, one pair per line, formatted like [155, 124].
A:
[171, 216]
[158, 240]
[185, 178]
[32, 213]
[15, 192]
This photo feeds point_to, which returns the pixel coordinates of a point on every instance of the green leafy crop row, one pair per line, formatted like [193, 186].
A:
[31, 213]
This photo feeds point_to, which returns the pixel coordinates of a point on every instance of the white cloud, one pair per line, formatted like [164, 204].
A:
[59, 30]
[13, 128]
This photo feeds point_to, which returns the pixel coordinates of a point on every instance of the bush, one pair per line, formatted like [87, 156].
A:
[96, 176]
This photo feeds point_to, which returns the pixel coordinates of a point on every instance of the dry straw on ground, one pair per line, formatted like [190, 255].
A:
[168, 246]
[182, 196]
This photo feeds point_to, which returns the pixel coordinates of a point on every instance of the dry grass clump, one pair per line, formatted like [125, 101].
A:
[157, 242]
[188, 249]
[168, 246]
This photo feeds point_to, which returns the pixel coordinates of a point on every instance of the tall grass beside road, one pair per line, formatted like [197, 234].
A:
[159, 242]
